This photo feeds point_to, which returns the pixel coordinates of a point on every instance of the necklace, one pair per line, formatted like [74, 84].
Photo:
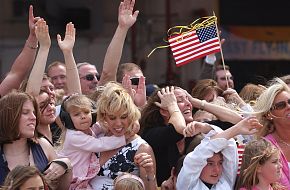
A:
[283, 142]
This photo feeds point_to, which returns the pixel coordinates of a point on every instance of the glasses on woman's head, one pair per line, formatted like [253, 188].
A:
[280, 105]
[90, 77]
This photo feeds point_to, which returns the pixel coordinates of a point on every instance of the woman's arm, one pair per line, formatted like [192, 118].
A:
[224, 114]
[36, 75]
[126, 19]
[24, 61]
[145, 159]
[169, 108]
[59, 176]
[66, 45]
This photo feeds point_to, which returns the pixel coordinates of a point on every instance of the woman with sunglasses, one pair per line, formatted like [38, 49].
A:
[273, 108]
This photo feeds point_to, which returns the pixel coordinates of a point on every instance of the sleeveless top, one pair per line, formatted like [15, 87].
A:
[122, 161]
[39, 157]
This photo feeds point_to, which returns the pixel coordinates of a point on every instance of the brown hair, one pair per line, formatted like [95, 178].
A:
[19, 175]
[256, 153]
[205, 86]
[10, 113]
[251, 92]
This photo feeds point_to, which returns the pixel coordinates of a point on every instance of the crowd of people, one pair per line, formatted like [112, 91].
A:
[72, 127]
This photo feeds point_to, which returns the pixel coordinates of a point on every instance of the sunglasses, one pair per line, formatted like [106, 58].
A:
[280, 105]
[134, 80]
[90, 77]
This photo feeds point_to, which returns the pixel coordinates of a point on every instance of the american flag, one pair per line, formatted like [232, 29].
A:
[194, 44]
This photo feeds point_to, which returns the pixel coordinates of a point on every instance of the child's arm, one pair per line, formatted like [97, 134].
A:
[88, 143]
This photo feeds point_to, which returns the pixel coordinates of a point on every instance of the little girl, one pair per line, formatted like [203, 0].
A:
[79, 140]
[261, 167]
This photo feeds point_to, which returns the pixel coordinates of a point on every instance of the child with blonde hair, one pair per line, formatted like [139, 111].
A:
[261, 167]
[80, 142]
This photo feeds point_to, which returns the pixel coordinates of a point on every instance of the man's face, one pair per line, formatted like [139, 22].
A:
[58, 76]
[221, 79]
[88, 78]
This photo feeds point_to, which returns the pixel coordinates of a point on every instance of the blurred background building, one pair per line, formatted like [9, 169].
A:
[257, 34]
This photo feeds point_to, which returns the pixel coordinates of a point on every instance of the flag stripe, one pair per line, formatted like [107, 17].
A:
[198, 55]
[197, 47]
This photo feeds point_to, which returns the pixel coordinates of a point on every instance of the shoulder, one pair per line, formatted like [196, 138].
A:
[47, 148]
[145, 147]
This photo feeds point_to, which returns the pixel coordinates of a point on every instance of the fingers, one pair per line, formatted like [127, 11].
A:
[31, 16]
[58, 38]
[143, 160]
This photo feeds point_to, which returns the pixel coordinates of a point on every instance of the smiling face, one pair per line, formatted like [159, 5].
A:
[281, 110]
[47, 108]
[81, 118]
[88, 86]
[212, 172]
[117, 123]
[57, 74]
[184, 105]
[27, 122]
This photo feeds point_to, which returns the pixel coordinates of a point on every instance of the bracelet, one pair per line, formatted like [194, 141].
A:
[202, 103]
[150, 179]
[31, 47]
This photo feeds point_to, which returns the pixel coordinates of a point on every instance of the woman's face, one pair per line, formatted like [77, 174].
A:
[27, 121]
[34, 183]
[47, 108]
[117, 123]
[184, 105]
[281, 109]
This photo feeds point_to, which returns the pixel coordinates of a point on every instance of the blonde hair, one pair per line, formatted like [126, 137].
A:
[264, 104]
[127, 181]
[115, 99]
[256, 153]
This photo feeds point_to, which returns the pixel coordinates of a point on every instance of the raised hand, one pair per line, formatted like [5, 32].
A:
[42, 34]
[167, 98]
[69, 40]
[248, 126]
[126, 16]
[32, 21]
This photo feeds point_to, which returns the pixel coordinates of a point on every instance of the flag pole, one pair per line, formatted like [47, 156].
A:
[222, 55]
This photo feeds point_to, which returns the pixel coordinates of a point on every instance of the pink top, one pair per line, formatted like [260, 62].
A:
[285, 178]
[79, 147]
[254, 188]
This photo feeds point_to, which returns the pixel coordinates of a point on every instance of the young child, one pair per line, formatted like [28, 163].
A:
[127, 181]
[24, 177]
[79, 140]
[213, 163]
[261, 167]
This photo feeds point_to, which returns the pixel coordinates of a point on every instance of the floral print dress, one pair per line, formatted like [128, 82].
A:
[122, 161]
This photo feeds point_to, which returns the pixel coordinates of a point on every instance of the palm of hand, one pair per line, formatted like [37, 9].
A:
[127, 19]
[43, 38]
[67, 43]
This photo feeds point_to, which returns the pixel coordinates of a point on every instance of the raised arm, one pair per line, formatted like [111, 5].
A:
[24, 61]
[113, 55]
[66, 45]
[222, 113]
[169, 104]
[36, 75]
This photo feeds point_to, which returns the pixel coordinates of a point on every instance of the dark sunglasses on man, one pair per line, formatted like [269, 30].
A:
[90, 77]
